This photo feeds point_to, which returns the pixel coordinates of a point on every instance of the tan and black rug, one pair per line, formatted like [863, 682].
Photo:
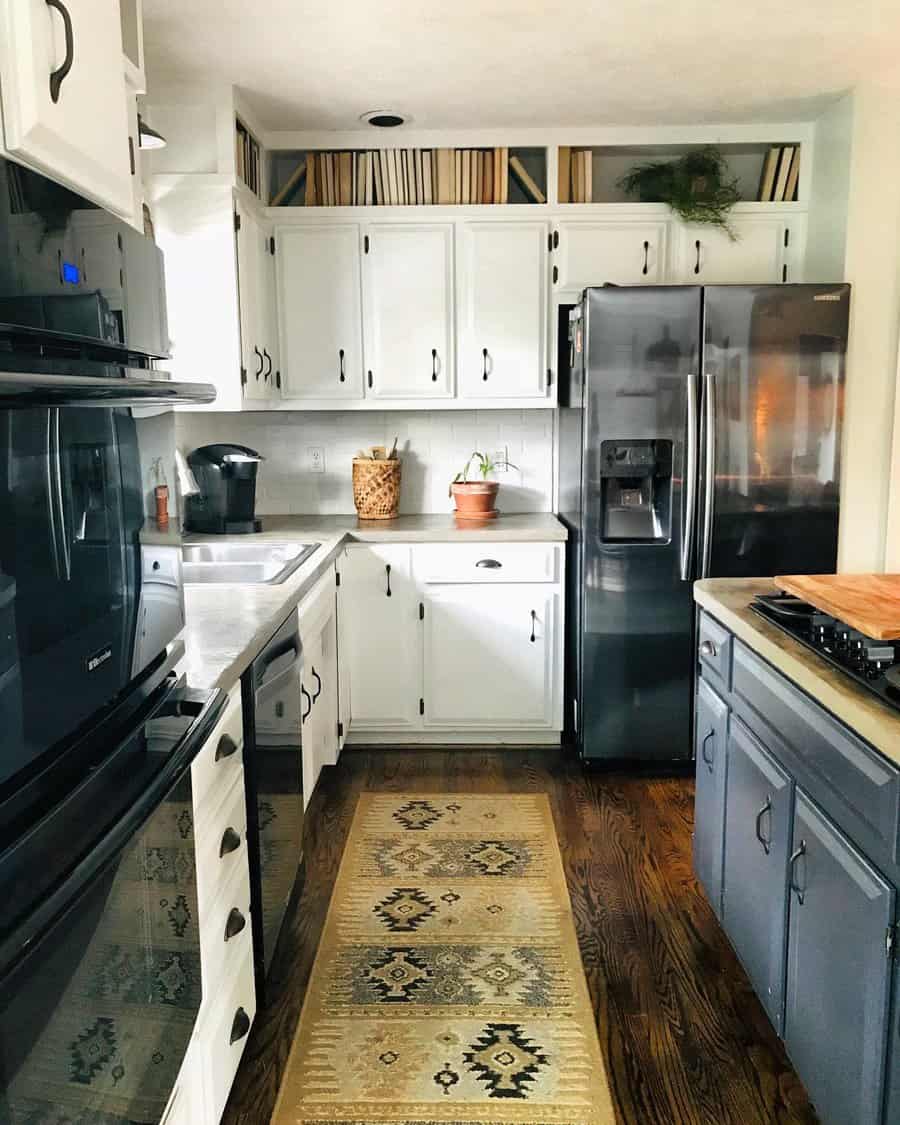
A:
[448, 985]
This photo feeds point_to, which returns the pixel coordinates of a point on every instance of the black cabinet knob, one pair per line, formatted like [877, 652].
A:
[231, 841]
[240, 1025]
[227, 746]
[234, 923]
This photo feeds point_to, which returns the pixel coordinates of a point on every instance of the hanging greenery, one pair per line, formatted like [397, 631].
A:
[696, 186]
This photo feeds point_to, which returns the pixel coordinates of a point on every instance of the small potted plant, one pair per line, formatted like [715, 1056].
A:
[475, 499]
[696, 186]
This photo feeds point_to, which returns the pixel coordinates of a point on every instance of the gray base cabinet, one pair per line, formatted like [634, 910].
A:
[711, 729]
[757, 844]
[797, 844]
[838, 973]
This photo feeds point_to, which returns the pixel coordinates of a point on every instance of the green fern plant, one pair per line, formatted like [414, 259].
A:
[485, 465]
[696, 186]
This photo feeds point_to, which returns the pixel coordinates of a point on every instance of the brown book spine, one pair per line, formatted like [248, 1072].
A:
[563, 174]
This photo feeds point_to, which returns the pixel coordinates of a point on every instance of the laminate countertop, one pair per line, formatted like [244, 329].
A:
[227, 625]
[728, 600]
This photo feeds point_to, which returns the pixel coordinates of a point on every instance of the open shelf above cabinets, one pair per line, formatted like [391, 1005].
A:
[765, 172]
[434, 176]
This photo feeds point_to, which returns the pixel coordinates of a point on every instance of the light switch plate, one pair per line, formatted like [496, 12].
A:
[315, 459]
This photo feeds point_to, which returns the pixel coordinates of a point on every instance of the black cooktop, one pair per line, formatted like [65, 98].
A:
[874, 665]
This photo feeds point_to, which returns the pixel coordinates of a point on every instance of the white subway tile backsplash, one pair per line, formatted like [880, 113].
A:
[434, 446]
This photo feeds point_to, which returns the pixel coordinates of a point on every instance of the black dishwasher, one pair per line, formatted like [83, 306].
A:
[271, 695]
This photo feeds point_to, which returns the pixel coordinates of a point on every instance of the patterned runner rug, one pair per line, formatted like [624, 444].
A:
[448, 986]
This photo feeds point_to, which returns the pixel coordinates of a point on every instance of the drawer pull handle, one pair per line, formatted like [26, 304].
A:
[646, 253]
[387, 572]
[434, 365]
[231, 841]
[800, 892]
[707, 648]
[342, 376]
[710, 761]
[227, 746]
[533, 621]
[697, 262]
[305, 714]
[239, 1027]
[318, 684]
[489, 564]
[766, 843]
[234, 923]
[57, 76]
[484, 364]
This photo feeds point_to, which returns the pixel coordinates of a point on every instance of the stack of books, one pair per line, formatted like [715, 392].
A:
[247, 156]
[780, 174]
[407, 177]
[576, 175]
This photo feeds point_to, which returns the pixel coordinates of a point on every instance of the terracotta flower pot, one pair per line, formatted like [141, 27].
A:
[475, 499]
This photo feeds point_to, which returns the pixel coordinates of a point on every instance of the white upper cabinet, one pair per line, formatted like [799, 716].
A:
[63, 90]
[408, 294]
[256, 288]
[591, 253]
[320, 310]
[502, 286]
[705, 255]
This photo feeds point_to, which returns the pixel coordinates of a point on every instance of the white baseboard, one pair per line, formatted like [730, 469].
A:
[462, 739]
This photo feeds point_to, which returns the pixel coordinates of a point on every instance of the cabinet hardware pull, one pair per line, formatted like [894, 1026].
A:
[261, 362]
[278, 379]
[234, 923]
[227, 746]
[318, 684]
[767, 808]
[533, 620]
[305, 714]
[370, 380]
[83, 268]
[489, 564]
[798, 891]
[387, 571]
[555, 239]
[231, 841]
[711, 760]
[239, 1027]
[269, 368]
[484, 364]
[342, 376]
[434, 362]
[697, 263]
[707, 648]
[57, 76]
[646, 251]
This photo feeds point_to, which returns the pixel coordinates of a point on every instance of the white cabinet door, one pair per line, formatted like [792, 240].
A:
[596, 252]
[249, 236]
[707, 256]
[74, 126]
[267, 311]
[311, 724]
[502, 272]
[408, 290]
[491, 656]
[320, 310]
[381, 628]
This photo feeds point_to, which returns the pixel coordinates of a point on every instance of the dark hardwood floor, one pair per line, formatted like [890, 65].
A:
[684, 1037]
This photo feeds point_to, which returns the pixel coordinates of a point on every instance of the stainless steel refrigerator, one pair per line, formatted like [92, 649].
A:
[699, 435]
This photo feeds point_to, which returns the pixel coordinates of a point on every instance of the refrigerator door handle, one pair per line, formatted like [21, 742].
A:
[709, 471]
[690, 479]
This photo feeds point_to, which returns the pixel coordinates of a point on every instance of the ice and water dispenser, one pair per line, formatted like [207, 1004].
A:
[636, 490]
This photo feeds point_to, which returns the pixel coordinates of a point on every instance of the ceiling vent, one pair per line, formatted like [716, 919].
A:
[385, 118]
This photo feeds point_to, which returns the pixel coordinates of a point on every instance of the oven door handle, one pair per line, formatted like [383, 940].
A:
[64, 553]
[271, 667]
[18, 943]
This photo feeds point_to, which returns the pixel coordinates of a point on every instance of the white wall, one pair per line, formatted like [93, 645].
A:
[433, 445]
[156, 439]
[826, 237]
[873, 269]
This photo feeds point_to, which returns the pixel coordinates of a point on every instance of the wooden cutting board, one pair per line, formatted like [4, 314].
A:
[867, 602]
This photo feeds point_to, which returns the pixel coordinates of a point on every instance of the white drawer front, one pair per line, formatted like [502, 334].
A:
[487, 562]
[223, 1035]
[221, 759]
[228, 914]
[222, 846]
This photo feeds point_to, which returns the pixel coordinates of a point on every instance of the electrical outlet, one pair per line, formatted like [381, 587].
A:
[315, 459]
[501, 459]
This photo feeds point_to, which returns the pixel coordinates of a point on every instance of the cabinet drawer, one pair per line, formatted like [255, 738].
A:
[225, 932]
[487, 562]
[318, 605]
[221, 759]
[714, 652]
[851, 781]
[223, 1035]
[222, 846]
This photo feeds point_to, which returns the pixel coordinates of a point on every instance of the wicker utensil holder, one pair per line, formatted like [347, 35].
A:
[376, 488]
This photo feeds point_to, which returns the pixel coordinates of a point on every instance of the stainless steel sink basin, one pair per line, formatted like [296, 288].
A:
[242, 564]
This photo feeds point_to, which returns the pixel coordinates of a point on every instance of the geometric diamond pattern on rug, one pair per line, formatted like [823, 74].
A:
[92, 1050]
[493, 857]
[404, 910]
[505, 1060]
[396, 975]
[417, 815]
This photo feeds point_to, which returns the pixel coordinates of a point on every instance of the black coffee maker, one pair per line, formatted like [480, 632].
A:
[226, 477]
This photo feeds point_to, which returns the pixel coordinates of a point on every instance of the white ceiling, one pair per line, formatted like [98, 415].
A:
[489, 63]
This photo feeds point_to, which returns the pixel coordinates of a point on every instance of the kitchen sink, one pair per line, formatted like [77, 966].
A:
[242, 564]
